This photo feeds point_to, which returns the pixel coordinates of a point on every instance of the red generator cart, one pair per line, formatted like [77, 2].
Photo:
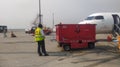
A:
[72, 36]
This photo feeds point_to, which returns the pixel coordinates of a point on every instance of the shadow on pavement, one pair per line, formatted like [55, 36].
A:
[50, 53]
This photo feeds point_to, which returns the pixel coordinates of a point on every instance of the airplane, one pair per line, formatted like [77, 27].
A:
[106, 22]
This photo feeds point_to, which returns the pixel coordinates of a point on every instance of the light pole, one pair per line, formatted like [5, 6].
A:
[53, 20]
[39, 12]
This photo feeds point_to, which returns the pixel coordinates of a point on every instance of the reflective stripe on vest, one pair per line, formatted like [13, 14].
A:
[38, 35]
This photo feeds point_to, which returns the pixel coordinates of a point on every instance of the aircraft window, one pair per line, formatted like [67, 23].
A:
[99, 17]
[90, 18]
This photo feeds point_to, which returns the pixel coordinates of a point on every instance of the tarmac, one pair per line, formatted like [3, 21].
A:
[21, 51]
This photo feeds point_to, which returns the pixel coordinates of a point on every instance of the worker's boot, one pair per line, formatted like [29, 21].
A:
[46, 55]
[40, 54]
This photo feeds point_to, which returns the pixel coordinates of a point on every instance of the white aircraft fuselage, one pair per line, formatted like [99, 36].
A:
[104, 21]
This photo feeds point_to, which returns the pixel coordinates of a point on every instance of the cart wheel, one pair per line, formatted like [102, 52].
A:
[60, 44]
[66, 47]
[91, 45]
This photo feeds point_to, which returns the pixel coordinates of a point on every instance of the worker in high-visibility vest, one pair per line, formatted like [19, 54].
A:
[118, 38]
[39, 38]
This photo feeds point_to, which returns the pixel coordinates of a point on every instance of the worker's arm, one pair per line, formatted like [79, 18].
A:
[42, 33]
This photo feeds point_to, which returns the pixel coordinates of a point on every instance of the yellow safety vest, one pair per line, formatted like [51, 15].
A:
[38, 35]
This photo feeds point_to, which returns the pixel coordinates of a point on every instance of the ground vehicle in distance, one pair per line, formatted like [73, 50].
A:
[2, 28]
[47, 31]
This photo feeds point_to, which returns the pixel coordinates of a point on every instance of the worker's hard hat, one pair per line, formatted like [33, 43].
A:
[40, 25]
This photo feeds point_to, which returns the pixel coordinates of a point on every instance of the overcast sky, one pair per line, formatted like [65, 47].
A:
[21, 13]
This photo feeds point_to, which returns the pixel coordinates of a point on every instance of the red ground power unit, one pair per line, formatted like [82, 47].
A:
[70, 36]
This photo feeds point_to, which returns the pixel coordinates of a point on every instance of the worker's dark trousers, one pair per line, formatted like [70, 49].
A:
[41, 47]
